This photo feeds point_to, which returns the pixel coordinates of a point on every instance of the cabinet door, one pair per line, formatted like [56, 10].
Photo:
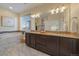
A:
[27, 39]
[66, 46]
[53, 45]
[41, 43]
[32, 40]
[41, 39]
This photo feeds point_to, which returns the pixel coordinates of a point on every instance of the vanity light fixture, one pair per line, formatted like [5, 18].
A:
[57, 10]
[38, 15]
[35, 15]
[62, 9]
[52, 11]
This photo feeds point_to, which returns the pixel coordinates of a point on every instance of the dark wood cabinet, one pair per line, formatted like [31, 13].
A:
[44, 43]
[27, 39]
[32, 38]
[66, 46]
[47, 44]
[53, 45]
[75, 47]
[41, 42]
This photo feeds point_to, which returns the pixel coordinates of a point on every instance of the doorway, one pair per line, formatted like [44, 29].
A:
[25, 23]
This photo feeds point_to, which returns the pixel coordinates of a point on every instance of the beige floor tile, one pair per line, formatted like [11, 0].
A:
[10, 45]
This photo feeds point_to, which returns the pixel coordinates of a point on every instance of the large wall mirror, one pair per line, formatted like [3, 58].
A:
[55, 21]
[52, 22]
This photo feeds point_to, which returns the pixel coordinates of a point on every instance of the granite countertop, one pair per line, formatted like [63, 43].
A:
[64, 34]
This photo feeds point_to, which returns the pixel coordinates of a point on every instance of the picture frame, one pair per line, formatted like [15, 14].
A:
[8, 21]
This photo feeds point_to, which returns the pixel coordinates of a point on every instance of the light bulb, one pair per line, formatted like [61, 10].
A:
[62, 9]
[33, 16]
[57, 10]
[52, 11]
[37, 15]
[10, 7]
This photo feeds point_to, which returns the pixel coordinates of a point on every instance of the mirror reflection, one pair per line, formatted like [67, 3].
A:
[58, 19]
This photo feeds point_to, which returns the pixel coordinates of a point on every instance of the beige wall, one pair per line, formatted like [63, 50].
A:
[75, 10]
[4, 12]
[18, 22]
[74, 13]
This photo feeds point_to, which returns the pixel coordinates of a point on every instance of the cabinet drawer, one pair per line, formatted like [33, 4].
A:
[41, 42]
[32, 41]
[41, 48]
[44, 48]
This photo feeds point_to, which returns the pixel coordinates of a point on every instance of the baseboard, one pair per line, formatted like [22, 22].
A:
[9, 31]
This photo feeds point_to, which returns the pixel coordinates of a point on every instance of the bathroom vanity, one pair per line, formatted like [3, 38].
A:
[54, 43]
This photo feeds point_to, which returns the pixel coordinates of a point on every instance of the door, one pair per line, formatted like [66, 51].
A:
[53, 45]
[66, 46]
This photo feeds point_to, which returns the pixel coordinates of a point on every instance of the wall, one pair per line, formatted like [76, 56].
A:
[4, 12]
[74, 13]
[75, 10]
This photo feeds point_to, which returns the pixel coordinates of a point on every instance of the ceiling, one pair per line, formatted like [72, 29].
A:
[19, 7]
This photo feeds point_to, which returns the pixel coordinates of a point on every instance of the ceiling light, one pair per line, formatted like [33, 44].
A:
[10, 7]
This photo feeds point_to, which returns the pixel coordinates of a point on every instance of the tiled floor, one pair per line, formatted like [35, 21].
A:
[10, 45]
